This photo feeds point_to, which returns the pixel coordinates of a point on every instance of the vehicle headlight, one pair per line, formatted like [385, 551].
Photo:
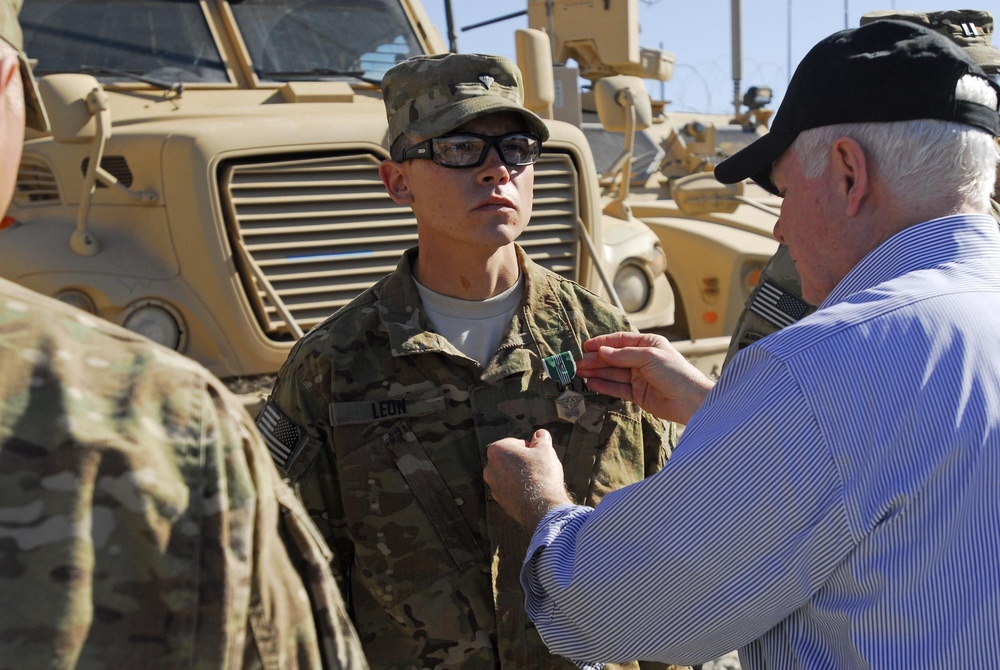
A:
[78, 299]
[156, 320]
[751, 274]
[632, 286]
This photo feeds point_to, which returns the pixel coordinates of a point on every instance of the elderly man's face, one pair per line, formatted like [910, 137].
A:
[812, 226]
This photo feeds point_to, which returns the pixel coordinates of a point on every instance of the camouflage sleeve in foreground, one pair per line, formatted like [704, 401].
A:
[142, 523]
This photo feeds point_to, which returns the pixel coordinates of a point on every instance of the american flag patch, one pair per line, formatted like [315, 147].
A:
[777, 305]
[280, 434]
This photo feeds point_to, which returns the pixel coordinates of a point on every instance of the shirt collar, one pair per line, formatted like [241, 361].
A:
[924, 245]
[409, 328]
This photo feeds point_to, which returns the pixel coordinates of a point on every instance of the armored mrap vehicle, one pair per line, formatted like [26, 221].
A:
[211, 179]
[714, 255]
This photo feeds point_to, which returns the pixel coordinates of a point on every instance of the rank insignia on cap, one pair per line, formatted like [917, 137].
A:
[971, 30]
[486, 80]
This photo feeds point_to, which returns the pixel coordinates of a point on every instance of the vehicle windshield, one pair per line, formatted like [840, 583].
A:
[166, 40]
[292, 40]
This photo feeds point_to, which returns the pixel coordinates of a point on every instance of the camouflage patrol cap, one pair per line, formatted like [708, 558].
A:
[971, 29]
[10, 32]
[427, 96]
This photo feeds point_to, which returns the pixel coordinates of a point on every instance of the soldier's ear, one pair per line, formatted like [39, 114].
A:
[397, 182]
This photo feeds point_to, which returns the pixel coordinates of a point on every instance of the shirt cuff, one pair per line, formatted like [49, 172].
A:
[539, 607]
[550, 526]
[548, 529]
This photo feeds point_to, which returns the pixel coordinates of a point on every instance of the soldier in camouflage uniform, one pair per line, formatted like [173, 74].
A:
[777, 300]
[382, 414]
[142, 523]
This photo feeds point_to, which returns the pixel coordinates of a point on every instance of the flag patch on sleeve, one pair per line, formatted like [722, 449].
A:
[777, 305]
[281, 436]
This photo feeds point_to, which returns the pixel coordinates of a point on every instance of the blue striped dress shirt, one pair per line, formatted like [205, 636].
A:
[835, 502]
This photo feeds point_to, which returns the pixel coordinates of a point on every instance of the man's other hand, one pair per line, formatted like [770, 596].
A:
[646, 369]
[526, 478]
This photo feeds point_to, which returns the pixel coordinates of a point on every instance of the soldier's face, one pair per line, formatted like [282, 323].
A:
[484, 207]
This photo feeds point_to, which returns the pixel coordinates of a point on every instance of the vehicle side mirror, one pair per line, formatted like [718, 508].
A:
[73, 103]
[534, 58]
[614, 95]
[623, 106]
[702, 193]
[79, 113]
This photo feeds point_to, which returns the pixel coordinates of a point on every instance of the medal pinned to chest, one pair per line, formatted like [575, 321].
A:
[562, 369]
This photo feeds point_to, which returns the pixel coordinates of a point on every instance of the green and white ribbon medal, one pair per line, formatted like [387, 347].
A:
[562, 369]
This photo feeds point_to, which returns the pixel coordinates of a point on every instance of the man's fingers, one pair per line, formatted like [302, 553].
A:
[507, 444]
[600, 370]
[604, 359]
[613, 389]
[541, 438]
[627, 358]
[510, 442]
[616, 340]
[624, 339]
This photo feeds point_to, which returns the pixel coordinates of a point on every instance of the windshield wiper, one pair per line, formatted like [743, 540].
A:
[319, 71]
[175, 87]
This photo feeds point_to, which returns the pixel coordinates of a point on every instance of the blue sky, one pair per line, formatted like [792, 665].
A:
[697, 32]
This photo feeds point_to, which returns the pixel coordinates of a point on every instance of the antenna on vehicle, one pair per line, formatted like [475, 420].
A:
[737, 55]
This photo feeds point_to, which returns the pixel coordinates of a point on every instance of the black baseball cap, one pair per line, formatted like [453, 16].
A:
[880, 72]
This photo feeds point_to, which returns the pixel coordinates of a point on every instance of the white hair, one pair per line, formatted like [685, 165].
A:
[918, 160]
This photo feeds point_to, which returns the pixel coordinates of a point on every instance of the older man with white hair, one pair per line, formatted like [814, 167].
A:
[858, 449]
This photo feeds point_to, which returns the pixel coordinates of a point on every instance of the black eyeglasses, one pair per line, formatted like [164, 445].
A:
[465, 150]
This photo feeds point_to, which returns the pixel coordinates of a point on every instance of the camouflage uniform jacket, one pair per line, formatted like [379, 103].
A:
[142, 524]
[384, 426]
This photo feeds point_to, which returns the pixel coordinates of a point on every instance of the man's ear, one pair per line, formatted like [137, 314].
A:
[850, 165]
[397, 181]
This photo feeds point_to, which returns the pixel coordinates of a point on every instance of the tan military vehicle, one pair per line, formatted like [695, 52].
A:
[211, 177]
[714, 253]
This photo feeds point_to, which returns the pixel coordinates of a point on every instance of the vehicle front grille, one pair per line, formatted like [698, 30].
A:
[322, 229]
[36, 184]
